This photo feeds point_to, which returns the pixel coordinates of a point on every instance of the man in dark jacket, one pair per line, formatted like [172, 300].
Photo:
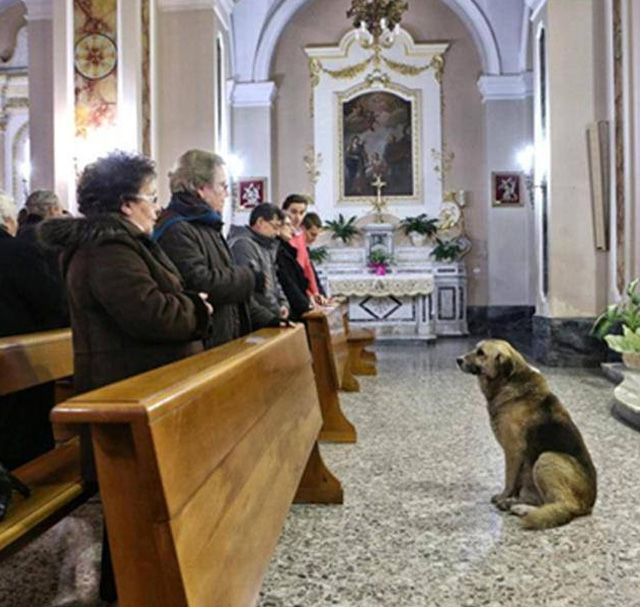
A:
[190, 232]
[30, 288]
[29, 302]
[256, 247]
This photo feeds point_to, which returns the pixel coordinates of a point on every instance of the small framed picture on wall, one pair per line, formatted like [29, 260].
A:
[506, 189]
[250, 192]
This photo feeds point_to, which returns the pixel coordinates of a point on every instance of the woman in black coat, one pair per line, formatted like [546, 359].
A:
[291, 275]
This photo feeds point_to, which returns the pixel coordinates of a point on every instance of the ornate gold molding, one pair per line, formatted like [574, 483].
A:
[436, 64]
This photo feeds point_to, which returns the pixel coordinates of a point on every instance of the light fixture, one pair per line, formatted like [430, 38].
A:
[530, 163]
[377, 21]
[235, 165]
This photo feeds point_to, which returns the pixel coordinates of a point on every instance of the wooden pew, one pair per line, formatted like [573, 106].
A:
[54, 477]
[328, 341]
[361, 361]
[198, 463]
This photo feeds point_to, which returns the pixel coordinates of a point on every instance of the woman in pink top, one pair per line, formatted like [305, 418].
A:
[295, 206]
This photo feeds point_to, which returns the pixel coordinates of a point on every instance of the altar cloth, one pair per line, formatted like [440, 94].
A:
[372, 285]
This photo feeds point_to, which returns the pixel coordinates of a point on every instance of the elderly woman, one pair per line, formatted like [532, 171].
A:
[129, 310]
[190, 232]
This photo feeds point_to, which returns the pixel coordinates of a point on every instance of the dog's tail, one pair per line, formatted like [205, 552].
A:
[550, 515]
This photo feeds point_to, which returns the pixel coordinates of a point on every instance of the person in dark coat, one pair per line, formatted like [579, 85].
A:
[190, 232]
[40, 206]
[290, 274]
[29, 302]
[130, 312]
[256, 246]
[30, 298]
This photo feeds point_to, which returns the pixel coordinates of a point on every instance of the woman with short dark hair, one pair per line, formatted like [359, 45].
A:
[129, 310]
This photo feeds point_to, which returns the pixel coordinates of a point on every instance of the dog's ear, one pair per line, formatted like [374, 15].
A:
[504, 365]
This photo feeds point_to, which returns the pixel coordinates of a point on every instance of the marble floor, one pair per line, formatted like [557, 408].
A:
[416, 528]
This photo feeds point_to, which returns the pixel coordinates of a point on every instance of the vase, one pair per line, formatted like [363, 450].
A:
[417, 240]
[632, 360]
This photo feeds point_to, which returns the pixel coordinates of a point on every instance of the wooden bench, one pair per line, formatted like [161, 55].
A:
[361, 361]
[54, 477]
[328, 342]
[198, 463]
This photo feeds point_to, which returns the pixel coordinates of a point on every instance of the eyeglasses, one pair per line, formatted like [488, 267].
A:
[223, 185]
[152, 198]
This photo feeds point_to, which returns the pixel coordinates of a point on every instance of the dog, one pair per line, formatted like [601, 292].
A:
[549, 476]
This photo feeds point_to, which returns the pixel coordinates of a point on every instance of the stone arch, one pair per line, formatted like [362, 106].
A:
[467, 10]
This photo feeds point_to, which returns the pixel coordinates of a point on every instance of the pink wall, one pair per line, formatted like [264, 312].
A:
[325, 22]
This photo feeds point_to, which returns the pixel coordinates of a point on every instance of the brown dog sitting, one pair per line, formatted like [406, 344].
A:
[549, 476]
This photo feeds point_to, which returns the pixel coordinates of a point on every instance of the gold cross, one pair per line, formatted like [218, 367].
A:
[379, 204]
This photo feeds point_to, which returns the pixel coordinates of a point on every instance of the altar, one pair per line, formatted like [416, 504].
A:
[396, 306]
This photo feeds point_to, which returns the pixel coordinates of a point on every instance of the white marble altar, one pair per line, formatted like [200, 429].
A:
[418, 299]
[396, 306]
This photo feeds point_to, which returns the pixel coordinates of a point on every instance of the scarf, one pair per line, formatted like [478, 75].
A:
[185, 206]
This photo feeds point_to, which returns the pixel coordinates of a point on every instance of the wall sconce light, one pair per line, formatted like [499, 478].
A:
[529, 161]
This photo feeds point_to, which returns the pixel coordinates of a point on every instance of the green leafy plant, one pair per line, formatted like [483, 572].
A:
[343, 229]
[446, 250]
[318, 254]
[420, 224]
[625, 313]
[379, 261]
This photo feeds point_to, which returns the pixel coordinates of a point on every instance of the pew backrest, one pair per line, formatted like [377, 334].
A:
[54, 477]
[198, 463]
[327, 332]
[30, 360]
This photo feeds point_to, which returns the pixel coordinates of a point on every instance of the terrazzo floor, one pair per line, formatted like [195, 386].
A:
[416, 528]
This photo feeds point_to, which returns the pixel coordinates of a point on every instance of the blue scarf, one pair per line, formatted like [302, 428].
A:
[188, 207]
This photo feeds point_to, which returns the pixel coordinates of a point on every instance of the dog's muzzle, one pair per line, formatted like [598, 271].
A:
[467, 367]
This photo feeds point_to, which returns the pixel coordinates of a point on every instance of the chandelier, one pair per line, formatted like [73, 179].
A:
[377, 21]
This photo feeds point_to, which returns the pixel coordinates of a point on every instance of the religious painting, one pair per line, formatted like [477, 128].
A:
[507, 189]
[377, 141]
[250, 192]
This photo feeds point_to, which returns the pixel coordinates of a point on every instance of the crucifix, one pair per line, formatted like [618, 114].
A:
[379, 204]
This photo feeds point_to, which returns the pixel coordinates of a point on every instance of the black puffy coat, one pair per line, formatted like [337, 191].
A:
[292, 279]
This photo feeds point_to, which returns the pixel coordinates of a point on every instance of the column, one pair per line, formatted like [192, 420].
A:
[508, 115]
[252, 133]
[41, 115]
[186, 83]
[577, 273]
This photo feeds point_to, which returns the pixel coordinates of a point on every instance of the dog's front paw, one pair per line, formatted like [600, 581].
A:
[502, 502]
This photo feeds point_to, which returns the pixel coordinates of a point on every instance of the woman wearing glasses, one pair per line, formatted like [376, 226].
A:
[129, 310]
[190, 232]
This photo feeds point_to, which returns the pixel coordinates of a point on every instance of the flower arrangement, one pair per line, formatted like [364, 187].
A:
[344, 229]
[627, 314]
[379, 262]
[446, 250]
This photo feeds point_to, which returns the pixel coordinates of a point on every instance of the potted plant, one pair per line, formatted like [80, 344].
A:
[379, 262]
[419, 228]
[446, 250]
[627, 314]
[343, 229]
[318, 255]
